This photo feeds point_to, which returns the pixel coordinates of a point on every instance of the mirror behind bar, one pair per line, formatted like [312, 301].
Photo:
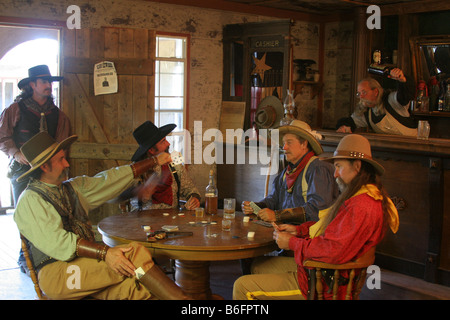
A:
[430, 57]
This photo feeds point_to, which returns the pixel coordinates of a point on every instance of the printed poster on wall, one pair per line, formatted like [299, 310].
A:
[105, 78]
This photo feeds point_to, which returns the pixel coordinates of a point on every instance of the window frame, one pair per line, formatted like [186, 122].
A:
[186, 75]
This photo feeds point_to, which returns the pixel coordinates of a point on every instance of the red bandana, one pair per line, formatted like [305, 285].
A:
[163, 192]
[291, 174]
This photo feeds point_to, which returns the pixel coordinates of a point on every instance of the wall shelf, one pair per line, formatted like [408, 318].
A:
[315, 87]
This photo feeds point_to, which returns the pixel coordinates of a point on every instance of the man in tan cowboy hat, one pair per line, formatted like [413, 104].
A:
[305, 186]
[32, 112]
[355, 223]
[174, 181]
[52, 214]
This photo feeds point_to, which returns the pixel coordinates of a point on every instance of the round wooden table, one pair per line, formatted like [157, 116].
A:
[192, 253]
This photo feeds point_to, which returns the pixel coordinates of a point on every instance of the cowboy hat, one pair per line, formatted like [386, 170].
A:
[147, 135]
[355, 146]
[303, 130]
[38, 72]
[41, 148]
[269, 113]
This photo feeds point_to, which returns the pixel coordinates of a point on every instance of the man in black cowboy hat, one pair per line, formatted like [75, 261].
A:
[174, 181]
[32, 112]
[52, 214]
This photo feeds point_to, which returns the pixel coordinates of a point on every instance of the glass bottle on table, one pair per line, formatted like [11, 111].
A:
[211, 195]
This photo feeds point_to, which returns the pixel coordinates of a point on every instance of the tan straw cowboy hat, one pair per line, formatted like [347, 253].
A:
[41, 148]
[355, 146]
[303, 130]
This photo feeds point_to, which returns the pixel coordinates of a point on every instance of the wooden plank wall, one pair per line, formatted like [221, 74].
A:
[107, 119]
[105, 123]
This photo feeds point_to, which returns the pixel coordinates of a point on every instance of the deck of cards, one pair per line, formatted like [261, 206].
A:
[255, 208]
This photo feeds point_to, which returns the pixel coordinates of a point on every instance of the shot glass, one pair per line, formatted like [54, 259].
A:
[226, 224]
[199, 212]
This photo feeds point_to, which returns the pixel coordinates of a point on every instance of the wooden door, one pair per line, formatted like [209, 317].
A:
[105, 123]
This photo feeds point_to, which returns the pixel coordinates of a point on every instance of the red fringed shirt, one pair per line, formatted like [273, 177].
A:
[357, 227]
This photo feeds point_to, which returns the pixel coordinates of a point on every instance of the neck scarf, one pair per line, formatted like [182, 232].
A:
[371, 190]
[291, 175]
[41, 110]
[163, 192]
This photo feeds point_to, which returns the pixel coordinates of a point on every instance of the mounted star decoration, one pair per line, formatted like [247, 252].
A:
[261, 66]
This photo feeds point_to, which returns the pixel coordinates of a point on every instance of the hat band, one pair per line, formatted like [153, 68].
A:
[352, 154]
[42, 75]
[42, 155]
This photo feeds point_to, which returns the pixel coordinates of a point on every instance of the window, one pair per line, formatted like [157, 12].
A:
[171, 86]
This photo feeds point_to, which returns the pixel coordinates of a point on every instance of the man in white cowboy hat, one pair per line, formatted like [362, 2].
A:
[305, 186]
[174, 182]
[52, 214]
[355, 223]
[32, 112]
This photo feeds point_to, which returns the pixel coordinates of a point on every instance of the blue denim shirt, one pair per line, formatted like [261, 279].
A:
[322, 190]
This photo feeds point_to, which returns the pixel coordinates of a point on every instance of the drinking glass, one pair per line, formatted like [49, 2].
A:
[423, 130]
[229, 207]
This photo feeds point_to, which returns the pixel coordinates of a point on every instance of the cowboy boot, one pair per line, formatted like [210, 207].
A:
[161, 286]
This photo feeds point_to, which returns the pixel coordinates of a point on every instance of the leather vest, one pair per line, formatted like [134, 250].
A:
[82, 228]
[28, 124]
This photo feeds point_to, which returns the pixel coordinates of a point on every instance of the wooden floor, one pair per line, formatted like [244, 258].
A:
[14, 285]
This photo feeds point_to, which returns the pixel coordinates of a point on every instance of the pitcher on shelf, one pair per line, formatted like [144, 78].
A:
[289, 109]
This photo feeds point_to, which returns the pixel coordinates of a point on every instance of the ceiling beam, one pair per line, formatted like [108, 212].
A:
[245, 8]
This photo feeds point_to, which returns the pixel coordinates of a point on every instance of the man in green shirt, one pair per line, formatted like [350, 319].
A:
[52, 215]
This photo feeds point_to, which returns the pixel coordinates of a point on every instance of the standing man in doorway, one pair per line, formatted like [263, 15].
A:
[33, 111]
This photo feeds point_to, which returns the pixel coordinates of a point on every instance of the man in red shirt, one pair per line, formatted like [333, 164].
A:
[355, 223]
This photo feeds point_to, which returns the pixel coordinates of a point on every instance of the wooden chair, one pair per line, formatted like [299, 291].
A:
[357, 276]
[33, 273]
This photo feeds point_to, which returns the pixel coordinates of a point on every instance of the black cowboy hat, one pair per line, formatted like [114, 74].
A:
[38, 72]
[147, 135]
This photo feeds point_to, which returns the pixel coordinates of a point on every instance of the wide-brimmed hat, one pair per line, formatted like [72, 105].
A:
[41, 148]
[355, 146]
[269, 113]
[302, 129]
[147, 135]
[38, 72]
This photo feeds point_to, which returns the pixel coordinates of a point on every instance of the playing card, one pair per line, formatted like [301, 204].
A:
[177, 158]
[254, 207]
